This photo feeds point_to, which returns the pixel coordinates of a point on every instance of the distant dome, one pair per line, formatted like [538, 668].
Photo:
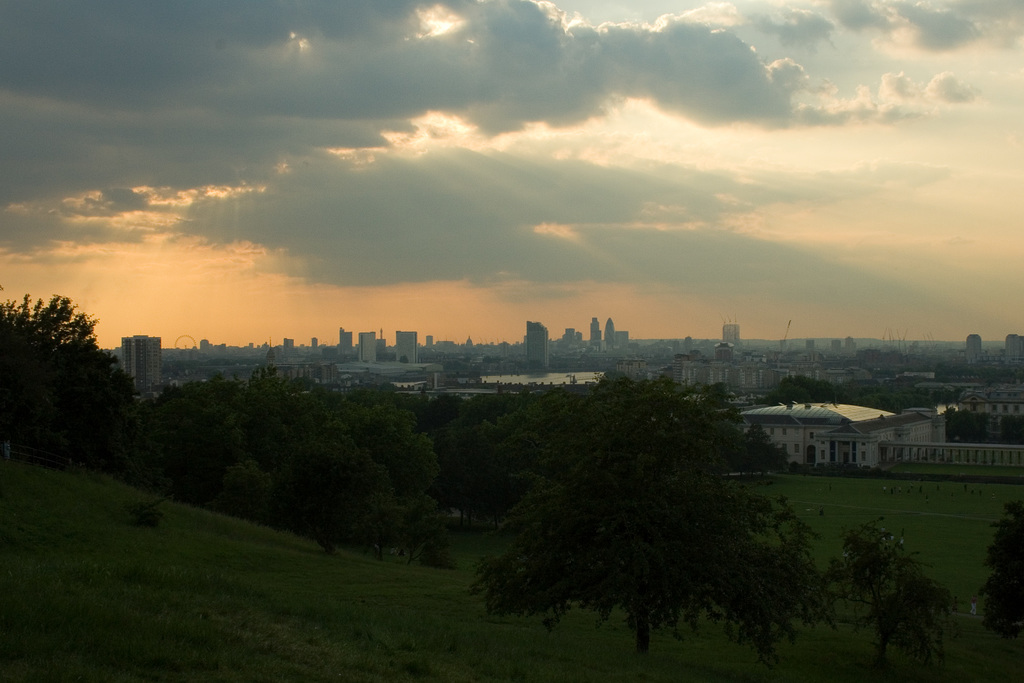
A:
[822, 413]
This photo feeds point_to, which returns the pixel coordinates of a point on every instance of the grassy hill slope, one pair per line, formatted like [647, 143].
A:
[86, 595]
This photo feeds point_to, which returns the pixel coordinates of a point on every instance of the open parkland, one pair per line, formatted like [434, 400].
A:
[947, 522]
[86, 595]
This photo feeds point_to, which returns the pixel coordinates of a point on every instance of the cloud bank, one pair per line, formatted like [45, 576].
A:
[369, 143]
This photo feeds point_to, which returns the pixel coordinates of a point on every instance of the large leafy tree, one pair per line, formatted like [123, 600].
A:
[756, 452]
[406, 458]
[1004, 588]
[337, 471]
[326, 489]
[246, 492]
[629, 513]
[890, 594]
[276, 415]
[424, 533]
[799, 389]
[966, 426]
[388, 434]
[1011, 429]
[58, 390]
[196, 434]
[480, 465]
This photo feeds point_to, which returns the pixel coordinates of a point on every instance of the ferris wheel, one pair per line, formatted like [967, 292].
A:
[184, 340]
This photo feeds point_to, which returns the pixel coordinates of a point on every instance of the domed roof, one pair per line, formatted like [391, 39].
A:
[819, 413]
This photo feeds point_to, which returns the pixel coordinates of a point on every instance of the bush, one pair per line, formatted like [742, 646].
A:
[145, 513]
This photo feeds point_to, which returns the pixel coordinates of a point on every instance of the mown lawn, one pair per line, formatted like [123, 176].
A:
[85, 595]
[948, 524]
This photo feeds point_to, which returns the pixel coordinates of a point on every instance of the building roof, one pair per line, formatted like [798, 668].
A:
[813, 413]
[900, 420]
[834, 419]
[1004, 394]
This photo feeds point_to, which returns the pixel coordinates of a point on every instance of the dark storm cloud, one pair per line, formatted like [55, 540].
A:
[476, 216]
[464, 214]
[709, 75]
[124, 52]
[118, 93]
[364, 61]
[473, 216]
[99, 98]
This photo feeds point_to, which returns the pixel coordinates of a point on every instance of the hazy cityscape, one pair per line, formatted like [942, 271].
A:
[540, 357]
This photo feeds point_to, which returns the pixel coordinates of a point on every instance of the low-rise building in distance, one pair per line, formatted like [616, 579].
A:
[841, 434]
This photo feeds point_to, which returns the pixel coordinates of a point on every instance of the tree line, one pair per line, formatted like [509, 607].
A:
[799, 389]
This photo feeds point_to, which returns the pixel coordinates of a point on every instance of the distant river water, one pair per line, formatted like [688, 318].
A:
[544, 378]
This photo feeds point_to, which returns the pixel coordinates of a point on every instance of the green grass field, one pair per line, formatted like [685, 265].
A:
[948, 523]
[85, 595]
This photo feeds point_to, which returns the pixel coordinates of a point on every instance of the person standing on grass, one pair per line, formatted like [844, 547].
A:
[974, 604]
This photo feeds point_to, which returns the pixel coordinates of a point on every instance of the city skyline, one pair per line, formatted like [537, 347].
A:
[971, 342]
[248, 170]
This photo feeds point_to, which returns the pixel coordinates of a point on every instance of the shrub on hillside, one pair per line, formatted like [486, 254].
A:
[146, 513]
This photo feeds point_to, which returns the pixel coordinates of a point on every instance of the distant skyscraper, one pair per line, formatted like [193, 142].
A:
[141, 358]
[314, 342]
[344, 341]
[368, 347]
[731, 333]
[537, 345]
[621, 339]
[1014, 351]
[430, 341]
[609, 334]
[595, 330]
[407, 347]
[972, 352]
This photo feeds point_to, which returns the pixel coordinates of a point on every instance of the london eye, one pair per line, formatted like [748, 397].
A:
[183, 340]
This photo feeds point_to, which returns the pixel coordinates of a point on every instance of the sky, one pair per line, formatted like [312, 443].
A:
[248, 170]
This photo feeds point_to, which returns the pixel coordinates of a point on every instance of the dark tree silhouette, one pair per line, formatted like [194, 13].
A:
[630, 513]
[890, 594]
[1004, 588]
[58, 390]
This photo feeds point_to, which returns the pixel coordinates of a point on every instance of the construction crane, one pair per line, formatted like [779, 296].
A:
[782, 343]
